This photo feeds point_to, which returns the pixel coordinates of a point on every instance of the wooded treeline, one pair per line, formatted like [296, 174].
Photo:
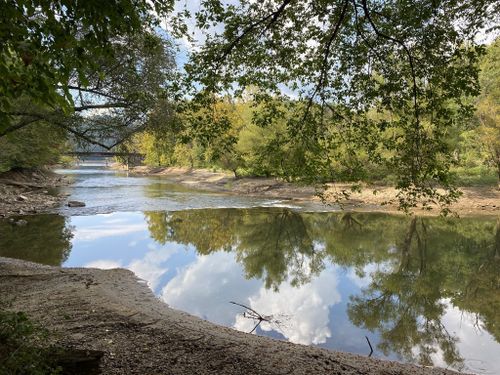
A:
[250, 147]
[397, 92]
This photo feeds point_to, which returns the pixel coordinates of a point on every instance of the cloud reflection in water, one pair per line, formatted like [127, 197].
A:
[205, 287]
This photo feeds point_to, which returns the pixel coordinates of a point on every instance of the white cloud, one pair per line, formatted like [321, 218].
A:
[150, 267]
[93, 233]
[304, 311]
[104, 264]
[205, 287]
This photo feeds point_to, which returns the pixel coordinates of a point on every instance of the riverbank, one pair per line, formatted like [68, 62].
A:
[109, 311]
[27, 192]
[481, 200]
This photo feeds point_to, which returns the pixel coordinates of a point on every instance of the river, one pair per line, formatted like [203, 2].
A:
[423, 290]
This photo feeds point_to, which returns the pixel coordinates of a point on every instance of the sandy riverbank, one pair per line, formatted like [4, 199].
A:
[481, 200]
[28, 192]
[111, 312]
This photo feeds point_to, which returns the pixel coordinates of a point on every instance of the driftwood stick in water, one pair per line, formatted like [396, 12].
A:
[252, 315]
[369, 344]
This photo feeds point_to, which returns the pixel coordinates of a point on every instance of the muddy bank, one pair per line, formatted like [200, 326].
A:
[27, 192]
[111, 312]
[474, 200]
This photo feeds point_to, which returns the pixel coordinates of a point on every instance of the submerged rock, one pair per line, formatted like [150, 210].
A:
[76, 204]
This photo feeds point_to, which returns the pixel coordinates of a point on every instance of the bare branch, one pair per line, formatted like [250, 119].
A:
[95, 91]
[324, 65]
[272, 17]
[100, 106]
[369, 344]
[18, 126]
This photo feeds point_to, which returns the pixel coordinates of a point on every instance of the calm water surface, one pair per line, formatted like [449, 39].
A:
[425, 291]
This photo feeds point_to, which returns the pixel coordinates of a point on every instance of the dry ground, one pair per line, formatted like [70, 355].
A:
[474, 200]
[28, 192]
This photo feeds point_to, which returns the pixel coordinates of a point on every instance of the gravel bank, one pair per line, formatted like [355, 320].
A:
[27, 192]
[480, 200]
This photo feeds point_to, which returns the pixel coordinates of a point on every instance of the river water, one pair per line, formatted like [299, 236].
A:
[423, 290]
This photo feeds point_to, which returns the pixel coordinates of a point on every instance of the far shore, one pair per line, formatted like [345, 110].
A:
[479, 200]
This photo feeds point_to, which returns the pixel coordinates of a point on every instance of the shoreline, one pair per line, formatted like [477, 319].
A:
[480, 200]
[112, 312]
[29, 192]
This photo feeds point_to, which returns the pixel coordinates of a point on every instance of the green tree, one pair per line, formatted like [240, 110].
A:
[93, 70]
[488, 106]
[49, 238]
[44, 44]
[112, 98]
[344, 59]
[32, 147]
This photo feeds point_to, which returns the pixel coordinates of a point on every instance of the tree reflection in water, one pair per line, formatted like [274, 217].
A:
[423, 266]
[44, 239]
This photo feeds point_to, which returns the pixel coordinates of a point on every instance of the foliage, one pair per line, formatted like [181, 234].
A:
[31, 147]
[24, 348]
[407, 59]
[488, 106]
[312, 91]
[44, 45]
[112, 98]
[49, 238]
[257, 140]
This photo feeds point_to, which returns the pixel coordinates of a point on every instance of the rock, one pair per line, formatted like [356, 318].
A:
[76, 204]
[21, 198]
[21, 223]
[78, 361]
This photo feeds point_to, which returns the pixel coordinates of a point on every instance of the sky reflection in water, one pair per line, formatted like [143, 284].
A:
[424, 291]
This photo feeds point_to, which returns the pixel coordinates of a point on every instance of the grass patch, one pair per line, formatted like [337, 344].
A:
[24, 347]
[475, 176]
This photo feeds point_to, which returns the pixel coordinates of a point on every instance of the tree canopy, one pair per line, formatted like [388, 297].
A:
[336, 64]
[338, 87]
[66, 57]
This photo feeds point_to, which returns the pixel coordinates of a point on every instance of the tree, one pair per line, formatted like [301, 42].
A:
[31, 147]
[488, 106]
[412, 60]
[112, 99]
[67, 58]
[49, 244]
